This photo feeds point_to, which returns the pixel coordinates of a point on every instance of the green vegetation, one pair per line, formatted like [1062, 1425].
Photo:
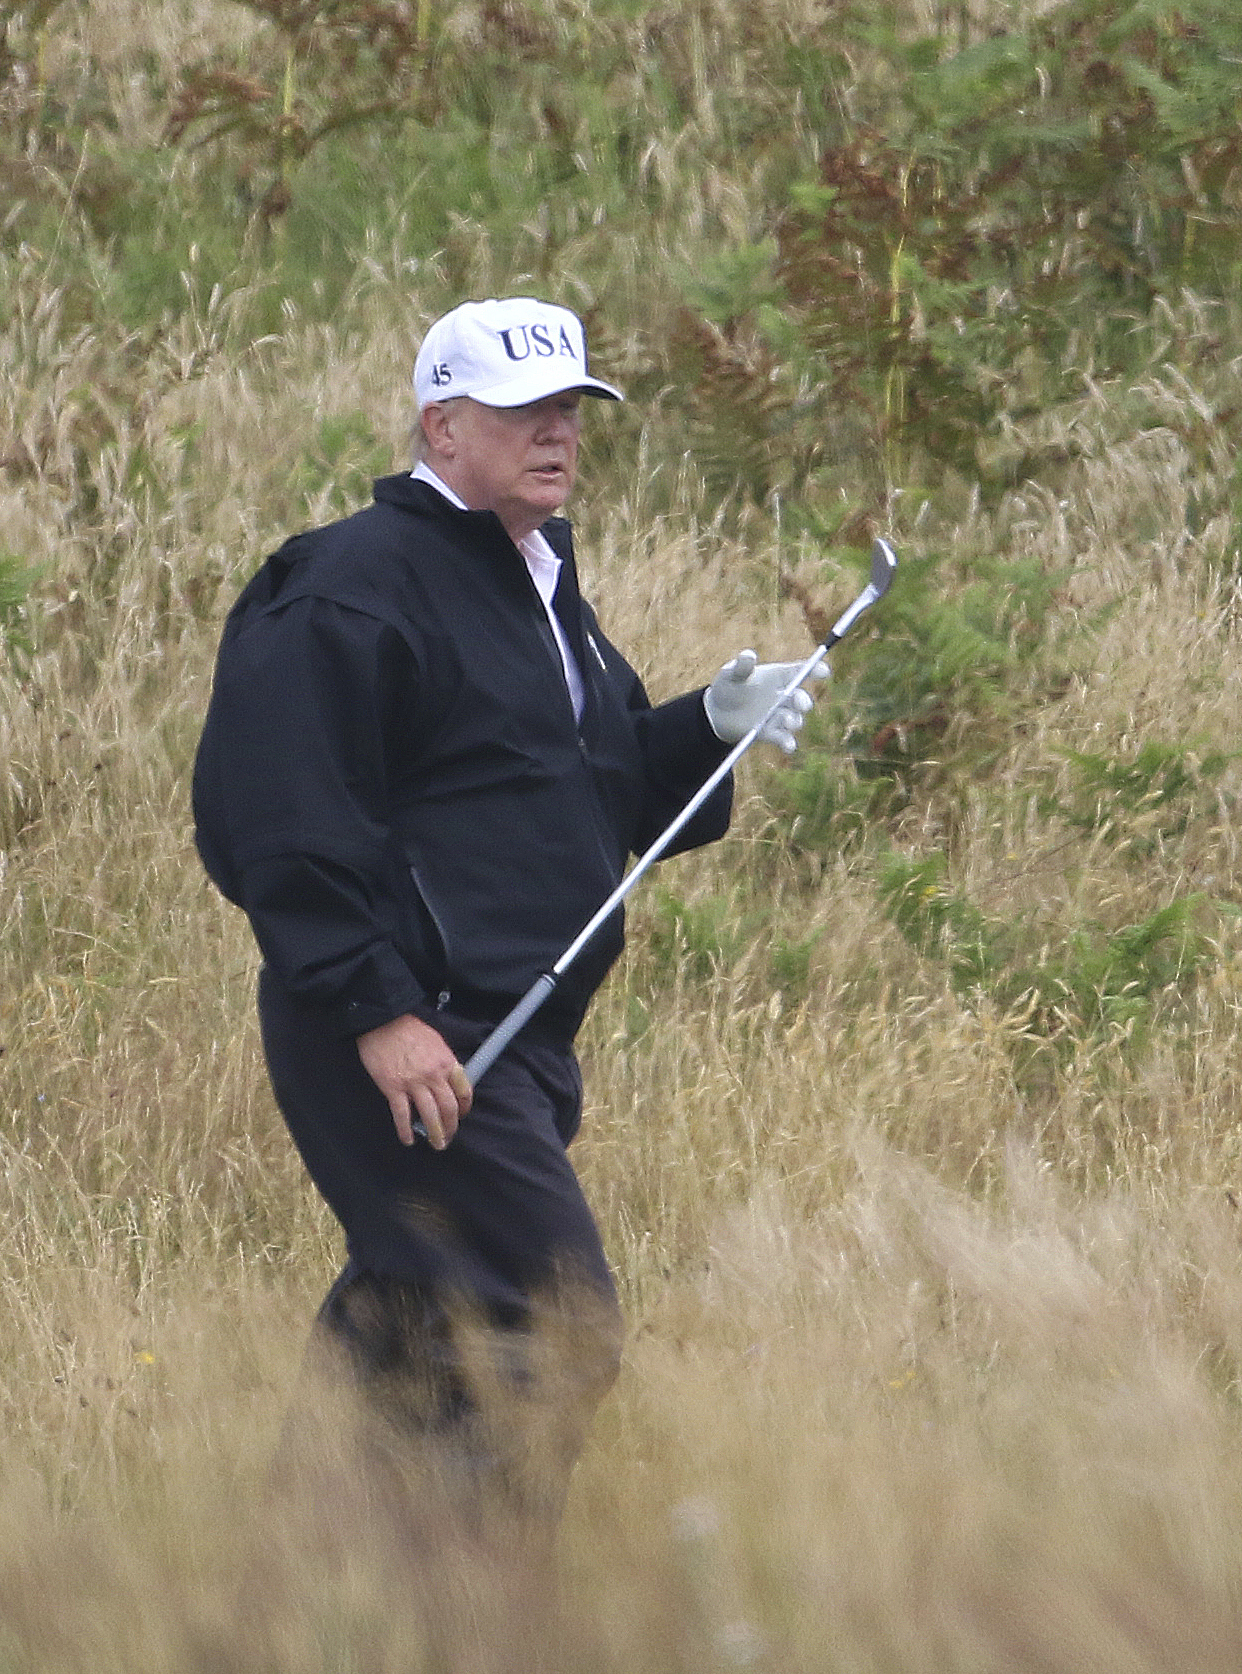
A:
[1097, 979]
[912, 1108]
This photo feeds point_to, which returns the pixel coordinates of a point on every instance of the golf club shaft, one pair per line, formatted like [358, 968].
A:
[486, 1055]
[541, 990]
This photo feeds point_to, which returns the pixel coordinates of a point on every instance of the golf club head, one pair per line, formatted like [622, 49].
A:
[883, 563]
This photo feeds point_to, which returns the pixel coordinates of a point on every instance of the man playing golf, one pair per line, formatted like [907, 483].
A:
[423, 768]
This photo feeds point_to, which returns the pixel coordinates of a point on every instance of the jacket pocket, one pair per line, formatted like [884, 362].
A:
[430, 950]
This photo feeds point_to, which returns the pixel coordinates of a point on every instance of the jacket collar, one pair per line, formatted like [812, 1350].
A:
[420, 497]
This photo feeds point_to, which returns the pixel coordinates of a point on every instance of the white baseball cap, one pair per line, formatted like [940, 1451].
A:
[505, 352]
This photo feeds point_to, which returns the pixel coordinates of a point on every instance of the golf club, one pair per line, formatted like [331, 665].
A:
[883, 564]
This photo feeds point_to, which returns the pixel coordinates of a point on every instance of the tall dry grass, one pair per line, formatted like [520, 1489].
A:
[928, 1369]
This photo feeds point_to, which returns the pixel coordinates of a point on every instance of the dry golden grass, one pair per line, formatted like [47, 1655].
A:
[929, 1368]
[922, 1373]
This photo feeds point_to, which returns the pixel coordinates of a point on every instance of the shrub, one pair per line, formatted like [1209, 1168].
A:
[16, 580]
[1094, 981]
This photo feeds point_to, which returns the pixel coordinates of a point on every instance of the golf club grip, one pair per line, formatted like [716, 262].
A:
[482, 1059]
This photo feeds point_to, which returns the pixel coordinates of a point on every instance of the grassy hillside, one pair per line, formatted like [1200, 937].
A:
[912, 1107]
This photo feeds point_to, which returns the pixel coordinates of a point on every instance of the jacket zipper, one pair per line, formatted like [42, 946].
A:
[437, 924]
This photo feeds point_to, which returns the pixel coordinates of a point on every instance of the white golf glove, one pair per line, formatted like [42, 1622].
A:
[745, 689]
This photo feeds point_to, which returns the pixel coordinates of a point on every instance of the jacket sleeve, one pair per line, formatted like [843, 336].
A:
[681, 751]
[299, 780]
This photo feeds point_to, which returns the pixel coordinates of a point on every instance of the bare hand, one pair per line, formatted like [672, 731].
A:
[418, 1073]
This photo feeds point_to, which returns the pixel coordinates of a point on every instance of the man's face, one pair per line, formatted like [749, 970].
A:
[519, 462]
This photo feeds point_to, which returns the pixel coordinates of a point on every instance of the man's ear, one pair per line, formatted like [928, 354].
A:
[438, 429]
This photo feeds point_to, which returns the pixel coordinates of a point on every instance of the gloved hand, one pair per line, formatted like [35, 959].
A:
[744, 690]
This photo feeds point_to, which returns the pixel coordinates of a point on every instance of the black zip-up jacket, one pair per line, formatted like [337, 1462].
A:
[391, 781]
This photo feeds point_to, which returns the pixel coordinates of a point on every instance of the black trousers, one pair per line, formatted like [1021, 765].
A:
[475, 1275]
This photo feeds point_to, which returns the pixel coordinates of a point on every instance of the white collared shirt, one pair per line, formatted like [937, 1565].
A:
[545, 571]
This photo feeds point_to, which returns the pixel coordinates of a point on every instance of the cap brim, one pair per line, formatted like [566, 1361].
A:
[523, 391]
